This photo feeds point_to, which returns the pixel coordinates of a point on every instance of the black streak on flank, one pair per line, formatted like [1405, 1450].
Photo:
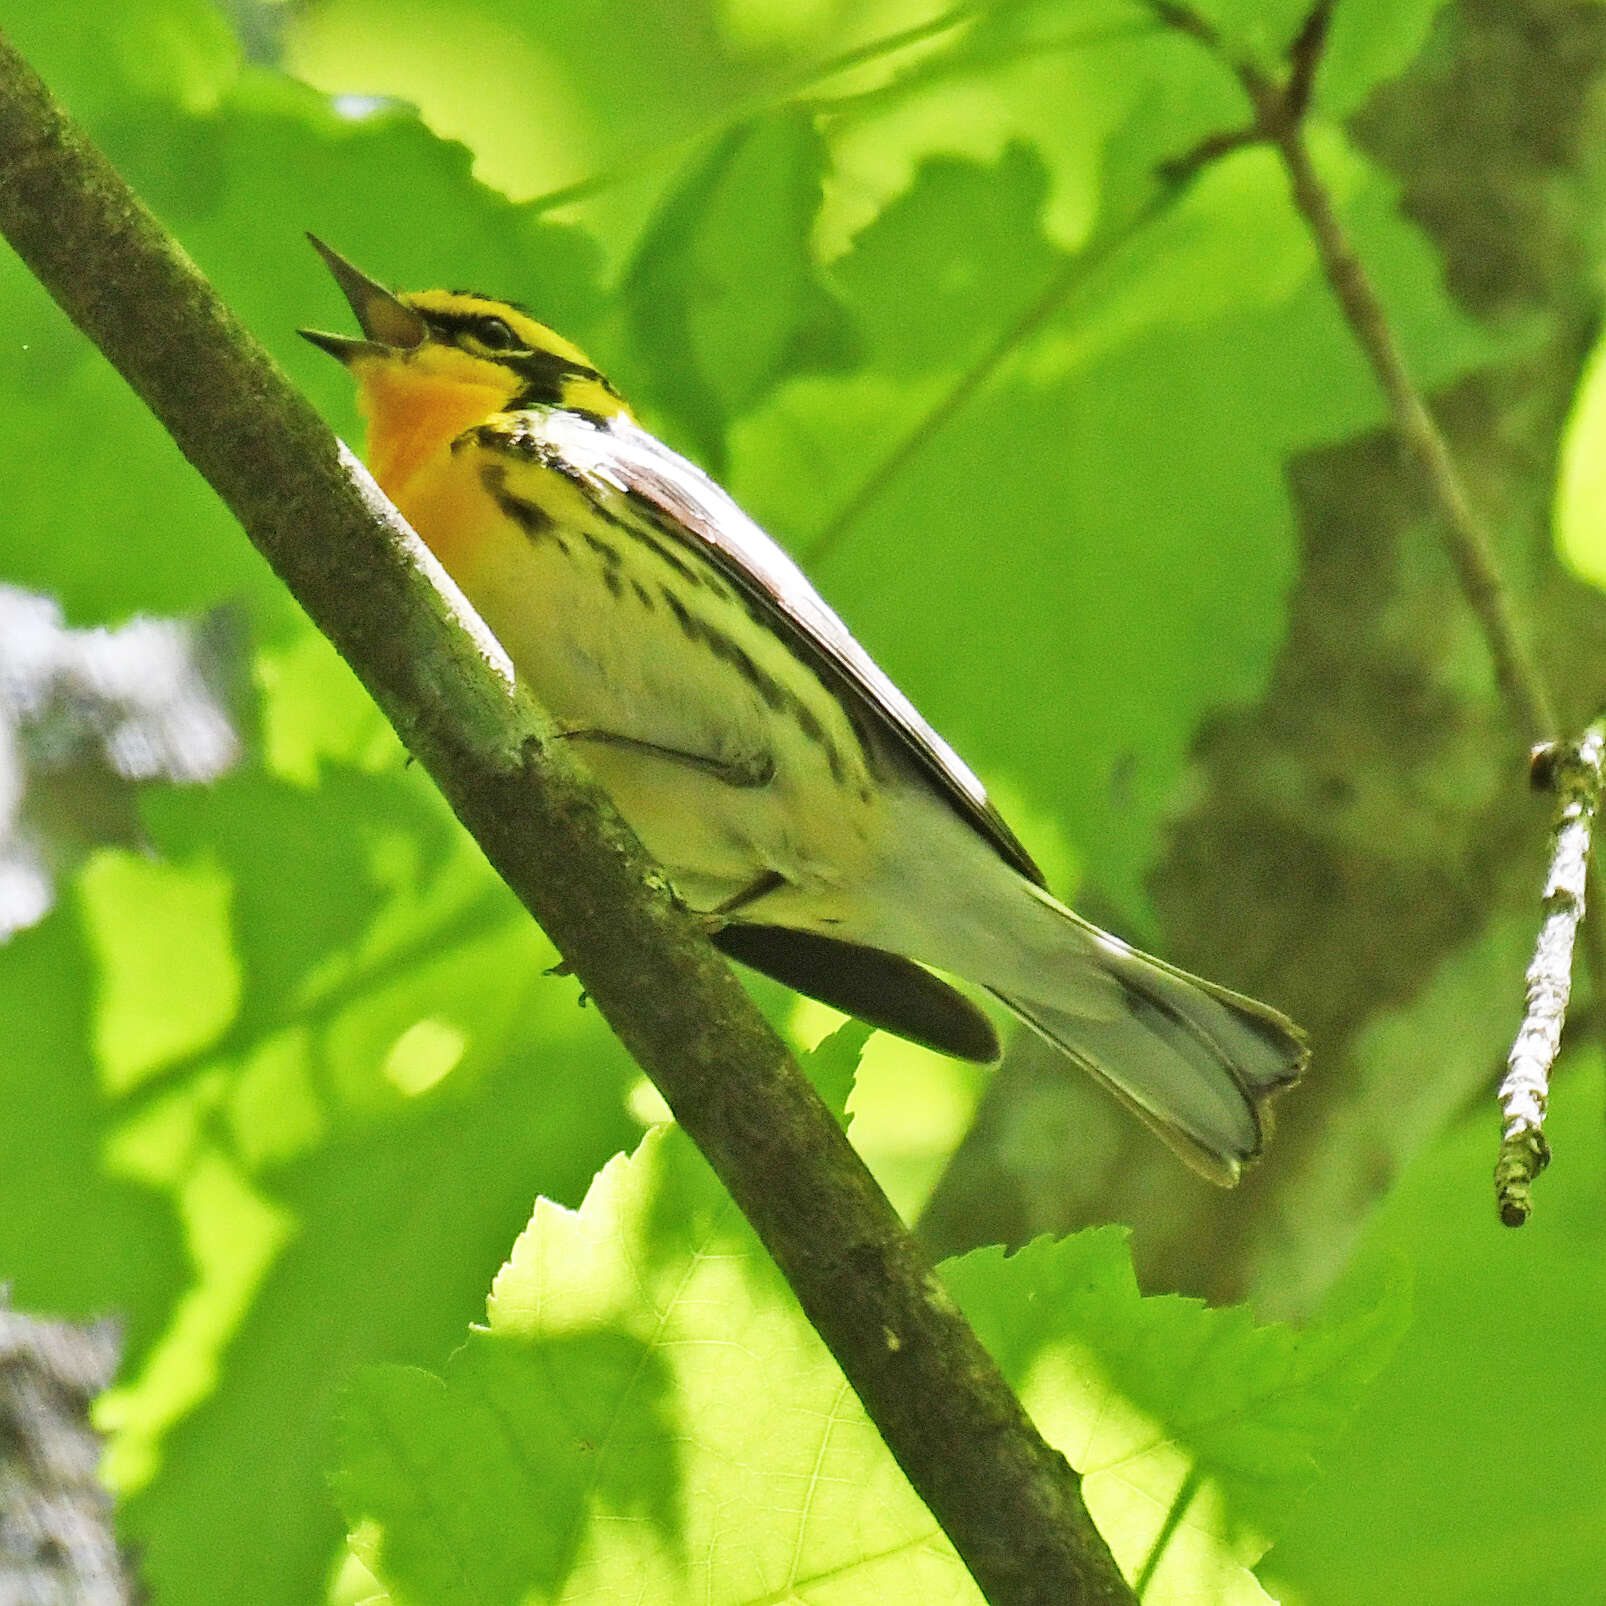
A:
[678, 608]
[654, 516]
[657, 504]
[811, 727]
[655, 529]
[608, 554]
[668, 558]
[531, 518]
[777, 698]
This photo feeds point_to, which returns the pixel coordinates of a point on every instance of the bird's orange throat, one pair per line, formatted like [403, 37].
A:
[414, 412]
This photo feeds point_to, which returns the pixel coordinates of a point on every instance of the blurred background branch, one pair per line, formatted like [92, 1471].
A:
[57, 1547]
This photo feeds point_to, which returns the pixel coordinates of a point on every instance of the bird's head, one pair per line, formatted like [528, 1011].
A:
[433, 363]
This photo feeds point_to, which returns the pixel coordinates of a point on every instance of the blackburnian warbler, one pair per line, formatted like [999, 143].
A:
[794, 796]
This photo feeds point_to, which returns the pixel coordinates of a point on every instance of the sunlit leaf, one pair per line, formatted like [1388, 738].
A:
[598, 1439]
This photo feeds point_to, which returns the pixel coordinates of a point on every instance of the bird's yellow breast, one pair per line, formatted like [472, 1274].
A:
[647, 653]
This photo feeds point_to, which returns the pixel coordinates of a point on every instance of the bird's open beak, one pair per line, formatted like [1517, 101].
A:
[389, 324]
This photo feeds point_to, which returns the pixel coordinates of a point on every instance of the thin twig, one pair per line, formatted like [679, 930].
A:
[1470, 549]
[1010, 1504]
[1305, 56]
[1575, 772]
[858, 102]
[932, 420]
[1583, 1022]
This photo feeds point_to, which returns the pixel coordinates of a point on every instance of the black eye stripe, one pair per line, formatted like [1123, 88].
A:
[494, 333]
[543, 371]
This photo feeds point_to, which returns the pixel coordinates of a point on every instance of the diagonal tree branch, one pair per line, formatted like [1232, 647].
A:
[1010, 1503]
[1465, 538]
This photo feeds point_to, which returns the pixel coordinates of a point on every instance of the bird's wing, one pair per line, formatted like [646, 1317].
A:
[683, 504]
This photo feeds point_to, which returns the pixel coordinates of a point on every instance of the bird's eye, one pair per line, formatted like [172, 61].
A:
[494, 335]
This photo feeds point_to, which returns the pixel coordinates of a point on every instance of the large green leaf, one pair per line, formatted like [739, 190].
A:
[357, 1080]
[646, 1414]
[1195, 1429]
[723, 297]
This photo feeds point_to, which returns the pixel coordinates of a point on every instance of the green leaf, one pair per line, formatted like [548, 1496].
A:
[598, 1441]
[1369, 42]
[548, 97]
[723, 298]
[504, 1463]
[1480, 1442]
[1580, 515]
[964, 232]
[646, 1416]
[166, 958]
[1194, 1429]
[76, 1237]
[833, 1063]
[177, 52]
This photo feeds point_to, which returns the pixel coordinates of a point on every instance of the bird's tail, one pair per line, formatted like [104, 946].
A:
[1198, 1063]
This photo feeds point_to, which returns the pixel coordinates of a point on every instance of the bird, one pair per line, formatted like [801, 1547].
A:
[820, 828]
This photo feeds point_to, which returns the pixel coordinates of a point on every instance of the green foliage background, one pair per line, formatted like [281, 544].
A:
[283, 1091]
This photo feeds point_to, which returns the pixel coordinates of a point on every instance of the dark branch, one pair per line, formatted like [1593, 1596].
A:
[1011, 1504]
[1305, 56]
[1182, 170]
[1467, 541]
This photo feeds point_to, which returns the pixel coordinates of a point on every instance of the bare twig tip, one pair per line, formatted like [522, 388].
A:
[1182, 170]
[1523, 1155]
